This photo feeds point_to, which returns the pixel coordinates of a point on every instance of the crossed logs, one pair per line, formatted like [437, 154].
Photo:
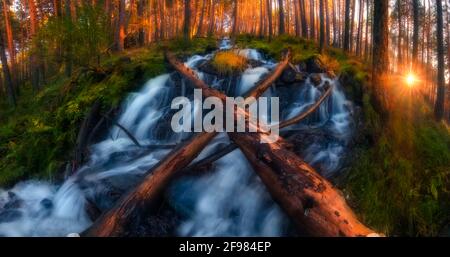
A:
[311, 202]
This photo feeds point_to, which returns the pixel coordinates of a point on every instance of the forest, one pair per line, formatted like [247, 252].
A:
[87, 148]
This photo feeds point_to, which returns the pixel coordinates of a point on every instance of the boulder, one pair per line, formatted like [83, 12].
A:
[288, 76]
[315, 65]
[316, 79]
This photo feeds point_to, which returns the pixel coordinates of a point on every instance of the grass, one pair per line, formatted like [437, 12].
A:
[229, 62]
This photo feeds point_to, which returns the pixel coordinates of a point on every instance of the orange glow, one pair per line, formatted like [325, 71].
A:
[411, 79]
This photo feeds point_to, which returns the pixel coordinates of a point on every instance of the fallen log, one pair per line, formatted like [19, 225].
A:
[312, 202]
[297, 119]
[231, 147]
[146, 195]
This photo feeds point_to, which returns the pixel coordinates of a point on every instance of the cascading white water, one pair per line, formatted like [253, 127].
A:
[228, 201]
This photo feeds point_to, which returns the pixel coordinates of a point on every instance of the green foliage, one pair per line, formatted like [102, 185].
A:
[401, 183]
[82, 40]
[37, 138]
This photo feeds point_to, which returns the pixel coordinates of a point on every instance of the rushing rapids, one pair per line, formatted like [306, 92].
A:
[230, 200]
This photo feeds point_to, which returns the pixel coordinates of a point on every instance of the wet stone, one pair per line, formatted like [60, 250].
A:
[10, 215]
[47, 203]
[316, 79]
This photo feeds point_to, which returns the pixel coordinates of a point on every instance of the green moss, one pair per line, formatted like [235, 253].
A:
[37, 138]
[401, 183]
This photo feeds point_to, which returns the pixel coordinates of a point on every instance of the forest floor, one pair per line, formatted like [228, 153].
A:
[398, 180]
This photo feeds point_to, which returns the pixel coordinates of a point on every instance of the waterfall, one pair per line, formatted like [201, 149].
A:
[229, 200]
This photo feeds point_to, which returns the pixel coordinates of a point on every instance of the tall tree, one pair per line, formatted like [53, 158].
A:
[235, 18]
[269, 14]
[380, 63]
[347, 26]
[303, 18]
[140, 14]
[6, 73]
[119, 35]
[187, 20]
[34, 62]
[322, 26]
[440, 97]
[281, 25]
[415, 51]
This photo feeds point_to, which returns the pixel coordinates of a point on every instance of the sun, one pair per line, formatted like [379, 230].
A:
[411, 79]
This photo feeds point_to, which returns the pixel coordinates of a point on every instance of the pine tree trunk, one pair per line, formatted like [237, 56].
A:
[8, 83]
[322, 26]
[415, 51]
[281, 25]
[269, 15]
[119, 36]
[187, 20]
[140, 14]
[202, 16]
[440, 97]
[347, 26]
[380, 54]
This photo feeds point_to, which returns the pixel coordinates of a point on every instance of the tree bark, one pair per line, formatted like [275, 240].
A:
[440, 97]
[322, 27]
[6, 73]
[269, 15]
[415, 51]
[281, 25]
[34, 62]
[347, 26]
[119, 36]
[187, 20]
[381, 54]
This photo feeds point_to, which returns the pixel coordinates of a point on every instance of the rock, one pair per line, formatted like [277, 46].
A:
[315, 65]
[47, 203]
[316, 79]
[301, 77]
[10, 215]
[288, 76]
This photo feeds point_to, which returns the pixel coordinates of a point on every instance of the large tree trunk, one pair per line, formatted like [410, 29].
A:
[347, 27]
[235, 18]
[400, 35]
[202, 16]
[212, 18]
[281, 26]
[140, 14]
[381, 54]
[10, 41]
[147, 194]
[119, 34]
[415, 51]
[312, 23]
[68, 48]
[440, 97]
[34, 58]
[303, 17]
[269, 15]
[187, 20]
[313, 204]
[6, 72]
[322, 27]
